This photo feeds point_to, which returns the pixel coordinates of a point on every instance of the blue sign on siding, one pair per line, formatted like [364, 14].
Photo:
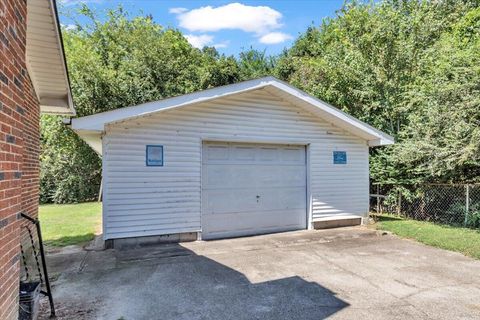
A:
[339, 157]
[154, 156]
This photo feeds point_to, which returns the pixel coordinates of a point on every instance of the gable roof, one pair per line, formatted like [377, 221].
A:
[96, 123]
[45, 58]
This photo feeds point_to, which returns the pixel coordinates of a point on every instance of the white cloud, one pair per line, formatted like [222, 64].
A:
[199, 41]
[69, 26]
[177, 10]
[274, 38]
[221, 45]
[254, 19]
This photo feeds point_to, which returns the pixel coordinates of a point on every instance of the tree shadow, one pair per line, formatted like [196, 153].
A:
[381, 218]
[70, 240]
[186, 285]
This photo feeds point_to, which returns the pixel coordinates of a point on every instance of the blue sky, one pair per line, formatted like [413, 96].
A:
[230, 26]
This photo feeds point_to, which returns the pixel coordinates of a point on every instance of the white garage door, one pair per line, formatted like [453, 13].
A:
[251, 189]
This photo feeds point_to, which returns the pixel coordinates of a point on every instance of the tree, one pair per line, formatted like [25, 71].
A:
[70, 170]
[408, 67]
[368, 60]
[442, 138]
[116, 63]
[255, 64]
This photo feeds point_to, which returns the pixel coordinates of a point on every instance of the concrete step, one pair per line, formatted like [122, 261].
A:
[337, 222]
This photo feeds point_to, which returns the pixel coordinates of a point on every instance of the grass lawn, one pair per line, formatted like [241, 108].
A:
[67, 224]
[464, 240]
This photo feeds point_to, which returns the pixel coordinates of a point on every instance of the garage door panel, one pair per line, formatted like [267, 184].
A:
[279, 176]
[222, 228]
[230, 176]
[238, 176]
[293, 155]
[251, 199]
[216, 152]
[250, 189]
[243, 153]
[290, 175]
[267, 154]
[230, 201]
[292, 198]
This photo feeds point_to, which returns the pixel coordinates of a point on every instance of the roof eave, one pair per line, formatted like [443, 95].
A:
[381, 142]
[52, 101]
[373, 136]
[98, 122]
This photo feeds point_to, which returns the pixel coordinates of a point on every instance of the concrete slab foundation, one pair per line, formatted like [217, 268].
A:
[138, 242]
[337, 222]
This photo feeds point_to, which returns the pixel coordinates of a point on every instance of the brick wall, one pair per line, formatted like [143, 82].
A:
[19, 149]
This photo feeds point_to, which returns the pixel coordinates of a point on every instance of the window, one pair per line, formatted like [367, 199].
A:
[339, 157]
[154, 156]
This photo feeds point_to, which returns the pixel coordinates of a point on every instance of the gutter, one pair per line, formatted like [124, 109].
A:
[53, 4]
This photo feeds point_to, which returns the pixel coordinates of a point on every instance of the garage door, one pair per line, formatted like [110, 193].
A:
[252, 189]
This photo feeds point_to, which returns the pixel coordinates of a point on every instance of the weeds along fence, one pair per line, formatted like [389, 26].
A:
[452, 204]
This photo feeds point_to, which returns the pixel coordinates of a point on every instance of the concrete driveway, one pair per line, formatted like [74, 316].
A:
[350, 273]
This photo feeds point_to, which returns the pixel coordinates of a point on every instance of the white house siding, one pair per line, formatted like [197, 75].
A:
[141, 200]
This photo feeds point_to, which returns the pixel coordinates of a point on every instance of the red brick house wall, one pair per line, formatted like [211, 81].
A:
[19, 149]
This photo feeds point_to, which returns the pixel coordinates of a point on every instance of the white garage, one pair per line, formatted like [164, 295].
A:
[254, 157]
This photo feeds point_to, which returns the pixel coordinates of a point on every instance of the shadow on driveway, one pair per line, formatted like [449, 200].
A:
[173, 282]
[184, 285]
[349, 273]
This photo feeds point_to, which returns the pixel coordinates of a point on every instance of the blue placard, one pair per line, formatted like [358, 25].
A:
[339, 157]
[154, 156]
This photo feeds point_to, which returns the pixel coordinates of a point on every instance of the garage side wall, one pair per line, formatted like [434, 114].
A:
[142, 200]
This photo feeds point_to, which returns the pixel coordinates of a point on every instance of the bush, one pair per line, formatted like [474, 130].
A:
[459, 210]
[70, 170]
[473, 220]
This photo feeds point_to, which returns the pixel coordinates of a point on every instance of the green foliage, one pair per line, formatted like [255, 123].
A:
[464, 240]
[409, 68]
[117, 63]
[70, 170]
[442, 137]
[459, 209]
[473, 220]
[255, 64]
[127, 61]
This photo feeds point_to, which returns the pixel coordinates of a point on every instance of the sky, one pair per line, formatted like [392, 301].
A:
[229, 26]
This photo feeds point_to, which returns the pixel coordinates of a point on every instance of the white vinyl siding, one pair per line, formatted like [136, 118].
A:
[141, 200]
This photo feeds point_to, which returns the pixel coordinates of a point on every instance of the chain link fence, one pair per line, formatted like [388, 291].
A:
[451, 204]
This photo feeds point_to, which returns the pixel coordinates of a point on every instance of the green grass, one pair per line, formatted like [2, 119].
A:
[464, 240]
[67, 224]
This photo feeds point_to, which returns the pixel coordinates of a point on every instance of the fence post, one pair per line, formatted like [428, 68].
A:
[399, 204]
[467, 203]
[378, 199]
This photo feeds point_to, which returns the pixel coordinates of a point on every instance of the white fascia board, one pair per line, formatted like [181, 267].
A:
[380, 142]
[58, 32]
[98, 121]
